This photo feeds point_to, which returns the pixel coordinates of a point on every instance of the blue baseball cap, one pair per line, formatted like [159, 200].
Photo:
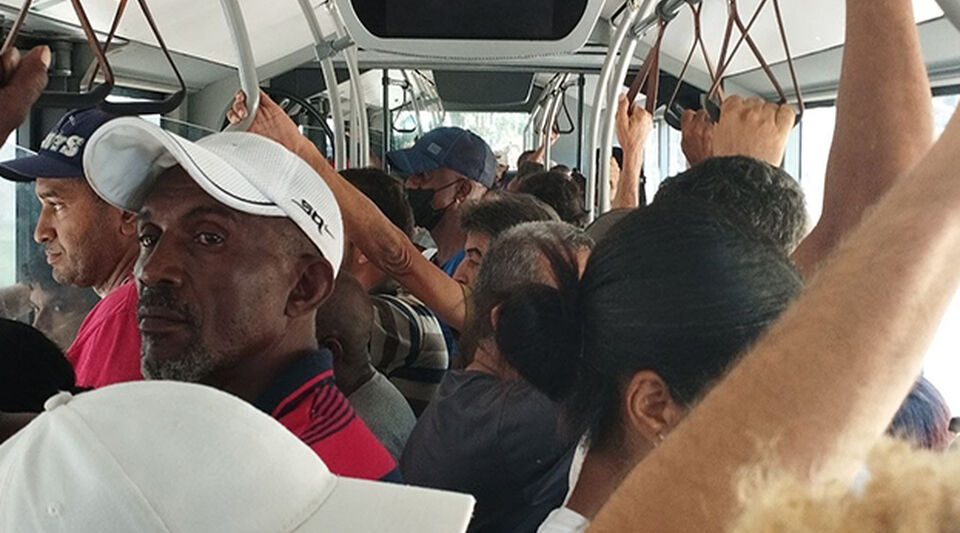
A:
[455, 148]
[61, 152]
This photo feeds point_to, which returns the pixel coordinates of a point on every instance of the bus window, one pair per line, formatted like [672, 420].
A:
[942, 365]
[8, 219]
[816, 133]
[502, 131]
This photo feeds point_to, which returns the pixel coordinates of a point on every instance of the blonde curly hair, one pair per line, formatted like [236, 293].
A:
[907, 490]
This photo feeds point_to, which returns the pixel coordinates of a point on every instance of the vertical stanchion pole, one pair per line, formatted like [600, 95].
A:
[581, 80]
[386, 120]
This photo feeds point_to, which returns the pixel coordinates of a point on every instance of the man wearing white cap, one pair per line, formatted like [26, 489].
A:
[165, 456]
[240, 241]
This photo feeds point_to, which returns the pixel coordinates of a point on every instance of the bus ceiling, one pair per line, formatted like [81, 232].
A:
[540, 36]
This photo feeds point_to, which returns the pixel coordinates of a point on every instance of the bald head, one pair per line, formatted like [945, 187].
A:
[343, 326]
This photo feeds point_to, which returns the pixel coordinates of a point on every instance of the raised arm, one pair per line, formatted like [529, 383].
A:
[824, 382]
[369, 229]
[884, 120]
[634, 125]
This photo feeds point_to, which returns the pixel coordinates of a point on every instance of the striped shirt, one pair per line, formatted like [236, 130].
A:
[306, 400]
[407, 346]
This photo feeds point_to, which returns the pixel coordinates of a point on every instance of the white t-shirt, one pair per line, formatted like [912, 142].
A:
[564, 520]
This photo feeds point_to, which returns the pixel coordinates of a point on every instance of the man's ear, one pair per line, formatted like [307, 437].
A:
[128, 224]
[495, 316]
[464, 190]
[649, 409]
[333, 344]
[312, 289]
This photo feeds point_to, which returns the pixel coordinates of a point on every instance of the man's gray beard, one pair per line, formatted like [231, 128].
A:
[193, 365]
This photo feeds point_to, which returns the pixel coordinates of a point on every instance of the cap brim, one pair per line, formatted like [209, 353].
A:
[359, 505]
[125, 156]
[38, 166]
[411, 161]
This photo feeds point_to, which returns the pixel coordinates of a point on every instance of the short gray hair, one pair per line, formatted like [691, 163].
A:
[516, 259]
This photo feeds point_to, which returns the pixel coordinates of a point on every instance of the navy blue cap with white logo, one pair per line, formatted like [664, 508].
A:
[455, 148]
[61, 152]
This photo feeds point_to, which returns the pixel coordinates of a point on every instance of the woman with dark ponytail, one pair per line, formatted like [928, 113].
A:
[668, 300]
[488, 433]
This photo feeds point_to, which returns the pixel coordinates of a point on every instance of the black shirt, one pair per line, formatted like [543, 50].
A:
[497, 440]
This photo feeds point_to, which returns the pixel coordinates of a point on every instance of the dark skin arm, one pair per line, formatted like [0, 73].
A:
[22, 79]
[382, 242]
[10, 423]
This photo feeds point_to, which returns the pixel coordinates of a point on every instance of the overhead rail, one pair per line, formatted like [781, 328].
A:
[246, 66]
[951, 9]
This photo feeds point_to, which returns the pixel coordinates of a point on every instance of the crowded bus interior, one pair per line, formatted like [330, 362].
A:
[545, 266]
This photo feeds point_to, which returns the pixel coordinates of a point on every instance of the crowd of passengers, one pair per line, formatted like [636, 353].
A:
[269, 330]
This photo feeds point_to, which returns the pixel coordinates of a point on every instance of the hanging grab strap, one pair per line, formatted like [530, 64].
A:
[67, 99]
[649, 74]
[713, 96]
[147, 107]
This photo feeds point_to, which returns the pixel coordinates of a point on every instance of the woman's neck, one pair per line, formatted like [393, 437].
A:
[602, 472]
[489, 361]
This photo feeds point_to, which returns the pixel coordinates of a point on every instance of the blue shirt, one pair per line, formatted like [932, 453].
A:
[449, 335]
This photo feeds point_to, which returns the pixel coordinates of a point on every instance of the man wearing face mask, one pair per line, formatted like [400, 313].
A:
[446, 167]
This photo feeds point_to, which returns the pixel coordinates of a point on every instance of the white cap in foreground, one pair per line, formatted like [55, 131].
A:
[159, 456]
[243, 171]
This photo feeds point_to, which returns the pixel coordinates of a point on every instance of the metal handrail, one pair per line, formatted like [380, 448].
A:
[330, 79]
[608, 124]
[552, 119]
[361, 133]
[247, 66]
[414, 101]
[527, 134]
[549, 93]
[951, 9]
[594, 162]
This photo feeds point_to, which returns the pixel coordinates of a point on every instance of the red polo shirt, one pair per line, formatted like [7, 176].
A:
[106, 349]
[306, 400]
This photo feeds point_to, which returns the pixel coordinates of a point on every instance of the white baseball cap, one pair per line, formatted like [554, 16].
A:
[163, 456]
[243, 171]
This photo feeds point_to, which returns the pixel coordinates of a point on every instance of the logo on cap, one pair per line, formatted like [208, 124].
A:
[314, 216]
[69, 146]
